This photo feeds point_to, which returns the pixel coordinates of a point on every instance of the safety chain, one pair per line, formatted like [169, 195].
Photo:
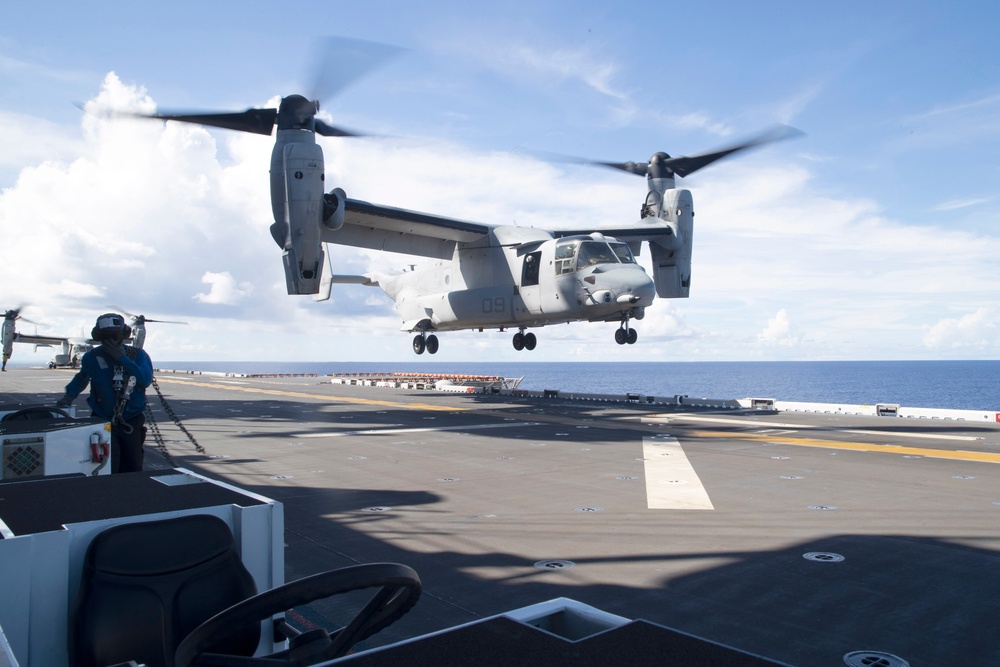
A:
[161, 445]
[177, 421]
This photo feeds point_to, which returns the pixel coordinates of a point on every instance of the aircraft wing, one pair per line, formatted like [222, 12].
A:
[399, 230]
[38, 340]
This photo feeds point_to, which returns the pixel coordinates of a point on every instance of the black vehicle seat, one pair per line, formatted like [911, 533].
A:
[147, 585]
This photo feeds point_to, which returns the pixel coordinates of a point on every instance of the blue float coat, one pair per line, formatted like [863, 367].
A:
[97, 369]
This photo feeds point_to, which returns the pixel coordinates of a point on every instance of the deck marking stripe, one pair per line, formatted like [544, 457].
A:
[321, 397]
[985, 457]
[800, 427]
[394, 431]
[671, 482]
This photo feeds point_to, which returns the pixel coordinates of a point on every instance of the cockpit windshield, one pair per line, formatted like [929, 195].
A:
[594, 252]
[623, 253]
[576, 254]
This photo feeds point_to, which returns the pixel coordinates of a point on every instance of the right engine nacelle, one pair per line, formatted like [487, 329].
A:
[672, 265]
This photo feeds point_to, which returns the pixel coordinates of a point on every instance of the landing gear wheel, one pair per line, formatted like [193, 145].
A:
[633, 336]
[621, 336]
[432, 344]
[398, 590]
[519, 341]
[419, 344]
[530, 341]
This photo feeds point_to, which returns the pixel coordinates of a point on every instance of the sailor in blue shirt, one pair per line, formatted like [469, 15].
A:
[118, 376]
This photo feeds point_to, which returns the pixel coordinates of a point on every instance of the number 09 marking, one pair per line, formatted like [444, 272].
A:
[494, 305]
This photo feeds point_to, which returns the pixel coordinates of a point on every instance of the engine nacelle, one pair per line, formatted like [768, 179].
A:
[8, 337]
[298, 202]
[672, 259]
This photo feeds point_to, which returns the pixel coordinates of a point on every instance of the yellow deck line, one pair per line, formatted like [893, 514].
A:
[985, 457]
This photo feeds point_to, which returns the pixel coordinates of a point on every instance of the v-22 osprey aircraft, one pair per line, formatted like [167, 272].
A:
[70, 349]
[509, 277]
[486, 276]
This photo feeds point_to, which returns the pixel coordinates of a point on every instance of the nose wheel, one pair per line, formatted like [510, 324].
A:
[423, 342]
[524, 341]
[625, 334]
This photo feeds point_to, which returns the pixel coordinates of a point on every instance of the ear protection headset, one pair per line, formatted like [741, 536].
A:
[110, 321]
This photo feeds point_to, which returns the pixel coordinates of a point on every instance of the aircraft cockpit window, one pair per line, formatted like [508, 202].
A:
[623, 253]
[595, 252]
[565, 255]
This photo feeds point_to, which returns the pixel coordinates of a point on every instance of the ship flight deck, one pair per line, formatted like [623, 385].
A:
[808, 538]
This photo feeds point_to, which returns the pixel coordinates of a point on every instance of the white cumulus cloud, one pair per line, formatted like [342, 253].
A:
[224, 289]
[978, 329]
[778, 331]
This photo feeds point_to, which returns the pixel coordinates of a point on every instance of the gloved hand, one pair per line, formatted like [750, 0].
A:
[113, 350]
[64, 402]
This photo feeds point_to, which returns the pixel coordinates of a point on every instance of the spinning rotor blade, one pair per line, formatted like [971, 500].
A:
[662, 165]
[138, 319]
[683, 166]
[15, 314]
[339, 62]
[146, 319]
[331, 131]
[258, 121]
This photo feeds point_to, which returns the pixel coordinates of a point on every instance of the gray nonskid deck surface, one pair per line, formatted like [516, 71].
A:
[813, 536]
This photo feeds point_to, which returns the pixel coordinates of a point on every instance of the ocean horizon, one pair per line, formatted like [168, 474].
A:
[962, 385]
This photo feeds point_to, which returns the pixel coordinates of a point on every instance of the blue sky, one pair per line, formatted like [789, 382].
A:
[874, 236]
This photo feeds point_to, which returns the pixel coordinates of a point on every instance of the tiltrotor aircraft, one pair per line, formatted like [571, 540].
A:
[509, 277]
[70, 349]
[486, 276]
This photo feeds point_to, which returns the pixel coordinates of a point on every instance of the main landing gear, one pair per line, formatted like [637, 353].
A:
[524, 341]
[423, 342]
[626, 335]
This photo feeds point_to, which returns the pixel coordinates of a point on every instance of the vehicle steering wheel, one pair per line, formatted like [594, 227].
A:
[398, 590]
[36, 412]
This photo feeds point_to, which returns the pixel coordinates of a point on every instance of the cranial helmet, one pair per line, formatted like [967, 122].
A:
[110, 325]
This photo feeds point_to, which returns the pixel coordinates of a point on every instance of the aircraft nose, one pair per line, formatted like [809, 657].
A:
[645, 292]
[636, 288]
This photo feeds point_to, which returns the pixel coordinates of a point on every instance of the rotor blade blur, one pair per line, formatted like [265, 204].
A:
[685, 165]
[637, 168]
[339, 61]
[257, 121]
[331, 131]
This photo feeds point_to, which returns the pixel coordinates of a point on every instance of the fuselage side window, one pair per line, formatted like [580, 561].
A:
[566, 257]
[595, 252]
[529, 271]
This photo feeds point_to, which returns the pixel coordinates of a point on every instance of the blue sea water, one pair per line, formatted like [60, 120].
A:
[964, 385]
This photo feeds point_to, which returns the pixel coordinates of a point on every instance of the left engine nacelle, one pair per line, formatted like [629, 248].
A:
[297, 198]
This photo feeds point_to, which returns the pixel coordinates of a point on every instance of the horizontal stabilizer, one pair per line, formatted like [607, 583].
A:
[353, 280]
